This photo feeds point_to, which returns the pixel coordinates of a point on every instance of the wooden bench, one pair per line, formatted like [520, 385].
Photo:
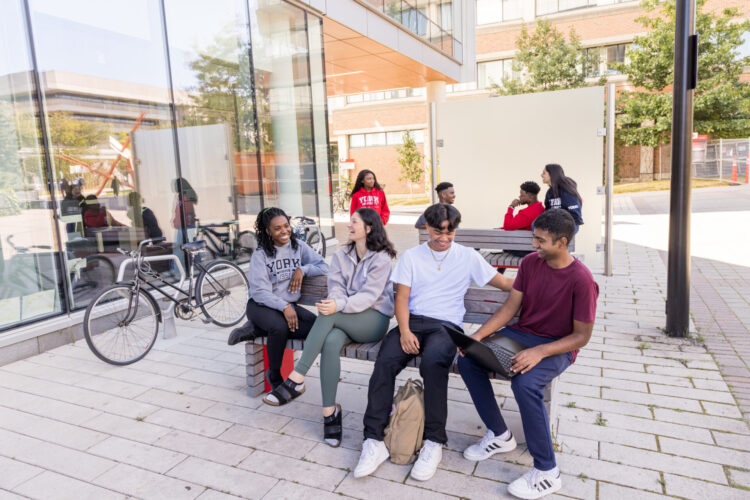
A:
[480, 304]
[489, 241]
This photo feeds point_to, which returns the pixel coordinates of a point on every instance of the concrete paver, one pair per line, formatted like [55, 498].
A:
[641, 415]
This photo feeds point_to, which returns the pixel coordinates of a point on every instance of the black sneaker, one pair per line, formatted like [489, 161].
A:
[244, 333]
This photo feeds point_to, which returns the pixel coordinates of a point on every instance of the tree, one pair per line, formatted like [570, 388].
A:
[410, 160]
[546, 61]
[721, 101]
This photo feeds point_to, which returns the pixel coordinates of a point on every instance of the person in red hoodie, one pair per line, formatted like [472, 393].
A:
[367, 193]
[525, 217]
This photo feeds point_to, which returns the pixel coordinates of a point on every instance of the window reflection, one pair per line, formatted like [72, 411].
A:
[28, 264]
[106, 88]
[280, 56]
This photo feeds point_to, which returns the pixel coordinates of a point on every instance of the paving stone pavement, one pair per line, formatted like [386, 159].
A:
[641, 416]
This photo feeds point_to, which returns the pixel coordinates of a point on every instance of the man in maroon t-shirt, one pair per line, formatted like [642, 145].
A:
[556, 294]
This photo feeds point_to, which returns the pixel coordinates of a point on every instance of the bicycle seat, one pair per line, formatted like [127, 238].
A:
[306, 220]
[194, 246]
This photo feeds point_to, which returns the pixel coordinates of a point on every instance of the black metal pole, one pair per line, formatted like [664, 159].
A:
[685, 76]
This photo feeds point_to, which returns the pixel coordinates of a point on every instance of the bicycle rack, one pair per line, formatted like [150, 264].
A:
[167, 316]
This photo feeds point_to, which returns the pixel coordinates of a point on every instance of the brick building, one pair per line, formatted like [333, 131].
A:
[364, 126]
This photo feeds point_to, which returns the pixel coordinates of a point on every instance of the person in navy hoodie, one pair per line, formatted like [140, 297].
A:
[367, 193]
[562, 192]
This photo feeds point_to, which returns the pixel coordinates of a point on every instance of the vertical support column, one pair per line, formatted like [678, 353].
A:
[435, 93]
[685, 80]
[254, 369]
[609, 179]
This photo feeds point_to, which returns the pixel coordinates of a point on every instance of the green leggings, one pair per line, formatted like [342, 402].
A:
[328, 335]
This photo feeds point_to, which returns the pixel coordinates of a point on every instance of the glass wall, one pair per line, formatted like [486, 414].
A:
[29, 269]
[161, 119]
[496, 11]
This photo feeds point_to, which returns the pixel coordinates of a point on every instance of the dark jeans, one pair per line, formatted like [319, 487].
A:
[528, 389]
[437, 350]
[271, 322]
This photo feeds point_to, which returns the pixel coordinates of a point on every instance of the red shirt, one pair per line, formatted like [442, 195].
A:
[95, 218]
[553, 298]
[374, 199]
[524, 218]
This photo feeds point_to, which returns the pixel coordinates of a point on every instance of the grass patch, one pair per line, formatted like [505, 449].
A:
[600, 420]
[664, 185]
[572, 404]
[643, 345]
[416, 200]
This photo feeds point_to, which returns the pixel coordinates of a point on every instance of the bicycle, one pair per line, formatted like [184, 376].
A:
[26, 267]
[237, 246]
[307, 230]
[121, 324]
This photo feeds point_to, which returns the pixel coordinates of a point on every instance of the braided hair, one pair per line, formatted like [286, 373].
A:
[262, 224]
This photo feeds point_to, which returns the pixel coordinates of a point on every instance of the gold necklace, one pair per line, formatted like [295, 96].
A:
[439, 261]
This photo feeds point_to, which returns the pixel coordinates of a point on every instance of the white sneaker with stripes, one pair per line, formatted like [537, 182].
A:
[535, 484]
[489, 445]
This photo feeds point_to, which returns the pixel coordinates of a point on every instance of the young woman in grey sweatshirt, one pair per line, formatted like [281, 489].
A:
[275, 275]
[358, 309]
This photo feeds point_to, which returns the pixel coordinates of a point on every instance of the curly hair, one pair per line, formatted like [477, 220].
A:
[531, 187]
[377, 239]
[261, 230]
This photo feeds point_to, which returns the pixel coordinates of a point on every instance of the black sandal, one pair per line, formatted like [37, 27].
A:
[285, 392]
[332, 429]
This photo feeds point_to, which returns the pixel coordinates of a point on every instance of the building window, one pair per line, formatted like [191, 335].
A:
[385, 95]
[602, 59]
[551, 6]
[493, 72]
[375, 139]
[496, 11]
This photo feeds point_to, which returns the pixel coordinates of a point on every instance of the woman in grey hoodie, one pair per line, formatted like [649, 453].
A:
[358, 309]
[275, 275]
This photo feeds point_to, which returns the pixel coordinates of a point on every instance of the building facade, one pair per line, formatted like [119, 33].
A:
[181, 119]
[605, 28]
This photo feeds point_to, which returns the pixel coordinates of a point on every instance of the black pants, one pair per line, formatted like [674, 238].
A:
[271, 322]
[437, 350]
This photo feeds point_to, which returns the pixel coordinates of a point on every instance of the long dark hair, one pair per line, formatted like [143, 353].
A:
[377, 238]
[360, 182]
[182, 185]
[261, 225]
[558, 180]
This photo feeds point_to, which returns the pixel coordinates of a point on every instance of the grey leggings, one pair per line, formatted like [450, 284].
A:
[328, 335]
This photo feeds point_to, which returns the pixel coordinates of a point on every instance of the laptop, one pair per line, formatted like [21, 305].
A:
[493, 354]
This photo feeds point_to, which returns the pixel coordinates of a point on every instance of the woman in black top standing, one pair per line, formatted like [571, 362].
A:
[562, 192]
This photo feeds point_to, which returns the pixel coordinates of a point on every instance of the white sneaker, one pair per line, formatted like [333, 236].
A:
[535, 484]
[489, 445]
[429, 458]
[374, 453]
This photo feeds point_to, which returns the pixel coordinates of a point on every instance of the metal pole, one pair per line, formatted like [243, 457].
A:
[609, 179]
[433, 151]
[685, 76]
[721, 157]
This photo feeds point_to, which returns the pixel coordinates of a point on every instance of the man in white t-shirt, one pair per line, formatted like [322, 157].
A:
[432, 280]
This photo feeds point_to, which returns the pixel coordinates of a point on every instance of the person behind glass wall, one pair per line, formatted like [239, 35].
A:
[71, 203]
[358, 309]
[432, 279]
[367, 193]
[276, 271]
[188, 201]
[143, 217]
[96, 215]
[446, 194]
[562, 192]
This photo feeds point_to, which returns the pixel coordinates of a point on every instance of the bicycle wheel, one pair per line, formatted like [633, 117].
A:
[245, 245]
[222, 291]
[120, 327]
[316, 241]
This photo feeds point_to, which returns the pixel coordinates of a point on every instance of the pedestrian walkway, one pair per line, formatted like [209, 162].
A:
[641, 416]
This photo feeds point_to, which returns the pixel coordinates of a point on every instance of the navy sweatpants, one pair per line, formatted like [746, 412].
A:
[528, 389]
